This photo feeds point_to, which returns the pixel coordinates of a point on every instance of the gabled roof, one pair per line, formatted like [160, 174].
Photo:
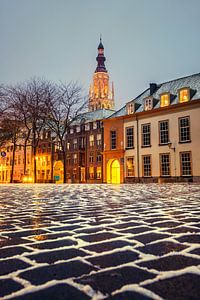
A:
[95, 115]
[172, 87]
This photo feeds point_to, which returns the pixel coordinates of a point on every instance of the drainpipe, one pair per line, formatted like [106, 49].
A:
[138, 160]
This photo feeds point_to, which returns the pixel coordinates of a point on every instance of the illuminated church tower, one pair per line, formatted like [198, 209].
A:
[101, 95]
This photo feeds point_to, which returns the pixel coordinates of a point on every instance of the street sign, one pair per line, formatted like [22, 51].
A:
[3, 154]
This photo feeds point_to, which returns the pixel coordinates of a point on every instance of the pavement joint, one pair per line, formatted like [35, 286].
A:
[109, 242]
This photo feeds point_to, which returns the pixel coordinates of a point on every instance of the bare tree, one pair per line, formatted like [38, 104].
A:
[29, 100]
[63, 109]
[10, 133]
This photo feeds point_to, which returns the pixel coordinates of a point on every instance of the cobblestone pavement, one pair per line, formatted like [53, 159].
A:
[100, 242]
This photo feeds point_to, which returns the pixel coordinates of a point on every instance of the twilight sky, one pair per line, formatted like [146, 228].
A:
[145, 41]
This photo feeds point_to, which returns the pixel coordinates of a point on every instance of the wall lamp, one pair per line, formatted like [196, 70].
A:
[170, 146]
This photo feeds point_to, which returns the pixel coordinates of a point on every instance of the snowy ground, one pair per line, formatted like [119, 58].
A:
[100, 242]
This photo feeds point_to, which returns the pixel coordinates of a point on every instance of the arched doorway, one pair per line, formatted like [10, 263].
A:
[113, 171]
[58, 171]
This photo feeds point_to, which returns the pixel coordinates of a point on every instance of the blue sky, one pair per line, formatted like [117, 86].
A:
[145, 41]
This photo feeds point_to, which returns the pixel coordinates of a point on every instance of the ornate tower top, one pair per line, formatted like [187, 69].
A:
[101, 95]
[100, 58]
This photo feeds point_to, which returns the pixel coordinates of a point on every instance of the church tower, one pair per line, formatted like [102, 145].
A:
[101, 94]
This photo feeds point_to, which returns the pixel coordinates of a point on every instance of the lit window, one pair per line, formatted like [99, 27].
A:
[184, 95]
[91, 140]
[164, 100]
[165, 164]
[75, 158]
[146, 135]
[148, 104]
[130, 166]
[164, 132]
[91, 172]
[186, 168]
[99, 139]
[146, 161]
[184, 129]
[98, 172]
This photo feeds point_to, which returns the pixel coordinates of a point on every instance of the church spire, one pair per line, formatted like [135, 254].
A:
[101, 94]
[100, 58]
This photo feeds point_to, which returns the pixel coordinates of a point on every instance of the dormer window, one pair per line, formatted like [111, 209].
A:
[184, 95]
[164, 99]
[148, 104]
[130, 108]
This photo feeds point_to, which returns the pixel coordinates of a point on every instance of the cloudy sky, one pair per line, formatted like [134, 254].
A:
[145, 41]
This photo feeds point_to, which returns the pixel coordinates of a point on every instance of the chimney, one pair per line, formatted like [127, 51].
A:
[153, 87]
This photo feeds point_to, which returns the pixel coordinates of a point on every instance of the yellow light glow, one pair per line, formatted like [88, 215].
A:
[27, 179]
[184, 96]
[164, 100]
[113, 171]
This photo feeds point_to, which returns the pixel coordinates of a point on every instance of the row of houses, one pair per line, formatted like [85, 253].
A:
[155, 137]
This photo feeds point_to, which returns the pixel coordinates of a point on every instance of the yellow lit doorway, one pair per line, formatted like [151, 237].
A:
[113, 171]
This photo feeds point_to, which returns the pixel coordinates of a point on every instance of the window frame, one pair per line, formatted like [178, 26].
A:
[91, 140]
[127, 174]
[130, 108]
[126, 136]
[160, 162]
[159, 132]
[165, 94]
[179, 94]
[179, 129]
[97, 172]
[111, 140]
[142, 134]
[181, 169]
[147, 176]
[148, 101]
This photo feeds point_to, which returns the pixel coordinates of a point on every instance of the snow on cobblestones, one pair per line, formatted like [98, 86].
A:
[100, 241]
